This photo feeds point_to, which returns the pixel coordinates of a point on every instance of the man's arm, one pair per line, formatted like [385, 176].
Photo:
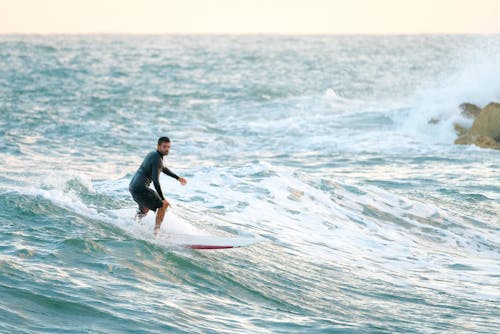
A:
[175, 176]
[169, 173]
[155, 176]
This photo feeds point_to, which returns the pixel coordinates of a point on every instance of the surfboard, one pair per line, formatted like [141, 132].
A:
[206, 241]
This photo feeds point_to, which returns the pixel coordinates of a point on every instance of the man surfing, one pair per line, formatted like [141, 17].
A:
[150, 169]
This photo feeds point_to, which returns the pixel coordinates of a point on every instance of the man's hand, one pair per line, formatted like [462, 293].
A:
[183, 181]
[166, 203]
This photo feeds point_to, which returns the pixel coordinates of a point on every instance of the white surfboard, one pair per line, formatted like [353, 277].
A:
[206, 241]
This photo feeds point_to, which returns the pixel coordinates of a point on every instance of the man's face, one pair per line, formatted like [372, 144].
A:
[164, 148]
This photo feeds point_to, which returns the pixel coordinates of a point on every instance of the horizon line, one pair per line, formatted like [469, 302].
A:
[247, 34]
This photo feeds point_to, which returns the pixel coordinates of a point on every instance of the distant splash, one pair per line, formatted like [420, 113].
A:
[475, 81]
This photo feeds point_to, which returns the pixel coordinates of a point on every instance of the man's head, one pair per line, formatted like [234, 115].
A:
[163, 145]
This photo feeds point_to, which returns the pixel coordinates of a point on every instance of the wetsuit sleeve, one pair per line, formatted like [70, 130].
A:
[155, 176]
[170, 173]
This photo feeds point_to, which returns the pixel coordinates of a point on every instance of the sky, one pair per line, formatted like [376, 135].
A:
[250, 16]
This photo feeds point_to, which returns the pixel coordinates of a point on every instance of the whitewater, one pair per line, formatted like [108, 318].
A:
[369, 219]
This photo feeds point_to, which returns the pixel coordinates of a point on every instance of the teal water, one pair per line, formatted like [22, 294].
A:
[370, 219]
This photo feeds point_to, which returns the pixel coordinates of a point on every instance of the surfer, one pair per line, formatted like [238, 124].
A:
[150, 169]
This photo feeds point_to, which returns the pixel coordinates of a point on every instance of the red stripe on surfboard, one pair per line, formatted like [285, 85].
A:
[207, 247]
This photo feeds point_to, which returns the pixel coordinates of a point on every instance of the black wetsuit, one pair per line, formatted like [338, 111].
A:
[149, 171]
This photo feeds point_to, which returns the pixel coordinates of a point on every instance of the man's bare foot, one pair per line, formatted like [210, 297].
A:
[138, 216]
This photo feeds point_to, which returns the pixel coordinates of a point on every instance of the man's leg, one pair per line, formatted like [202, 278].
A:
[160, 214]
[141, 198]
[141, 213]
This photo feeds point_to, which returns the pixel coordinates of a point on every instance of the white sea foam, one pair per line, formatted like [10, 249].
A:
[375, 226]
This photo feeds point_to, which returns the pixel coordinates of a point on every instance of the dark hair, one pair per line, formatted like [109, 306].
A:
[163, 140]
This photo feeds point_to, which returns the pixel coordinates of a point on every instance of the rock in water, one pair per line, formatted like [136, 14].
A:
[480, 141]
[459, 129]
[487, 123]
[487, 142]
[485, 129]
[470, 110]
[433, 120]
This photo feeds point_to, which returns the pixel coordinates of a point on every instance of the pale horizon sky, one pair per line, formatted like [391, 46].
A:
[250, 16]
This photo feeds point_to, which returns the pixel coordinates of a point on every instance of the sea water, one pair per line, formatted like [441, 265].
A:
[370, 219]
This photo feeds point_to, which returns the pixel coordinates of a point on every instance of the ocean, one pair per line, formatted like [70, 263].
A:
[369, 218]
